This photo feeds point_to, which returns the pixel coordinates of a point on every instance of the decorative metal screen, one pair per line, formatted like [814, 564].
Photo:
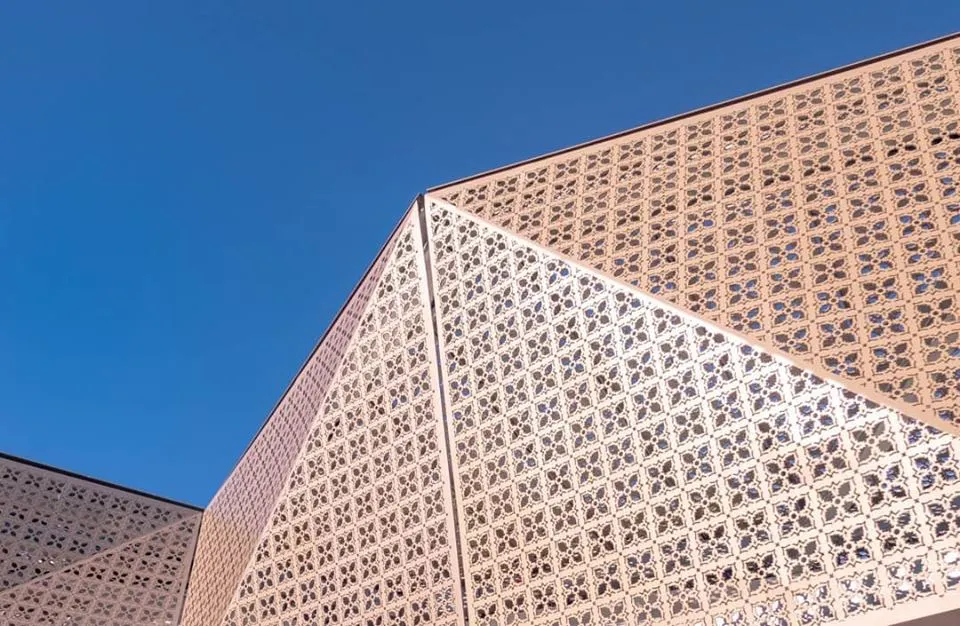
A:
[822, 219]
[771, 452]
[362, 533]
[241, 509]
[701, 373]
[74, 551]
[618, 461]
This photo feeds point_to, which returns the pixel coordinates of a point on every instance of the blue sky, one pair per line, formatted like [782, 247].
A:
[188, 190]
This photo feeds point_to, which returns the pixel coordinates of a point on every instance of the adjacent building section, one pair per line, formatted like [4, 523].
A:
[77, 551]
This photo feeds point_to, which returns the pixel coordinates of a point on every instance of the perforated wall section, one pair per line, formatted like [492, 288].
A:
[74, 551]
[239, 512]
[702, 373]
[362, 533]
[821, 219]
[617, 461]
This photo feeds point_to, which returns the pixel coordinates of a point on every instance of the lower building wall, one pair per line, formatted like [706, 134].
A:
[78, 551]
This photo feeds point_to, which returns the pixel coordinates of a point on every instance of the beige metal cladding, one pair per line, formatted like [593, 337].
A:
[242, 507]
[620, 461]
[699, 373]
[821, 218]
[363, 530]
[76, 551]
[704, 372]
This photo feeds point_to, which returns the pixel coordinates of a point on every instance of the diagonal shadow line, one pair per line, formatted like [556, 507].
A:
[908, 410]
[109, 551]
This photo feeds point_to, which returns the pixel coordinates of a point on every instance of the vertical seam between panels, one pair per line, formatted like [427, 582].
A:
[913, 412]
[193, 562]
[431, 305]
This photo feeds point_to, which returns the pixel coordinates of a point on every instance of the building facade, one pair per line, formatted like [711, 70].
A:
[80, 552]
[705, 372]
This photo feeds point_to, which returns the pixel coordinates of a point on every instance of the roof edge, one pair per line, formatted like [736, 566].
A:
[705, 109]
[96, 481]
[317, 345]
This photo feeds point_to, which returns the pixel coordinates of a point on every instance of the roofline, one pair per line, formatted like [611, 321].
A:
[96, 481]
[316, 347]
[705, 109]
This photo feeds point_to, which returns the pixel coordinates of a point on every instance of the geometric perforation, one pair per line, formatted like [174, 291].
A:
[820, 218]
[141, 582]
[618, 459]
[241, 508]
[74, 550]
[700, 373]
[362, 531]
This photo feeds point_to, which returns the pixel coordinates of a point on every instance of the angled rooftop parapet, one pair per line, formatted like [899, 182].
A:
[820, 218]
[78, 551]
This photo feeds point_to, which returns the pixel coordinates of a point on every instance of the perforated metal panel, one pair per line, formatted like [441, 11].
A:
[618, 461]
[362, 533]
[821, 219]
[241, 509]
[700, 373]
[75, 551]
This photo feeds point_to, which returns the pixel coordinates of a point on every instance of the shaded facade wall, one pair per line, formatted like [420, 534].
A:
[362, 532]
[242, 507]
[76, 551]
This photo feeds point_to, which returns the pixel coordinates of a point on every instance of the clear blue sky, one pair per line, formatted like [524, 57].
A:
[188, 190]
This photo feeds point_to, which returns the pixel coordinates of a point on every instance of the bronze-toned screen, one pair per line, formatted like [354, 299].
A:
[362, 533]
[701, 373]
[242, 507]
